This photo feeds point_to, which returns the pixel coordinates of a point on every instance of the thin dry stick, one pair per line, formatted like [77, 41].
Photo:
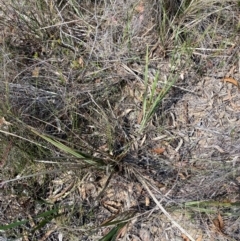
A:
[27, 176]
[162, 208]
[25, 139]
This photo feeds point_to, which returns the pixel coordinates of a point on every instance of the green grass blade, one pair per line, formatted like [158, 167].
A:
[154, 87]
[146, 84]
[69, 150]
[113, 233]
[155, 104]
[13, 225]
[47, 215]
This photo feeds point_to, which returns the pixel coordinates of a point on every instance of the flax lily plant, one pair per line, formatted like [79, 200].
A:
[152, 100]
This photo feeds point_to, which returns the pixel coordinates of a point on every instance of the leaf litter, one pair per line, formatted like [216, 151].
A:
[189, 150]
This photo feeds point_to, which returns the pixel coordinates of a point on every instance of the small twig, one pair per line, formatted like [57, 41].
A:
[59, 24]
[27, 176]
[48, 233]
[162, 208]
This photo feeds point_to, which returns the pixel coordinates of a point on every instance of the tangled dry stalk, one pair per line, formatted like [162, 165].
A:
[116, 115]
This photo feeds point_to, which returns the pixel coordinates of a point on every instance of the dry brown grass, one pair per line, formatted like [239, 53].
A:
[78, 161]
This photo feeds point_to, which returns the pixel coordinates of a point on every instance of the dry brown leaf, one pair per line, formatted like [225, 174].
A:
[139, 188]
[131, 93]
[182, 176]
[125, 112]
[81, 62]
[140, 7]
[231, 80]
[238, 179]
[140, 116]
[147, 201]
[4, 122]
[82, 192]
[185, 238]
[158, 150]
[218, 148]
[183, 163]
[112, 206]
[104, 148]
[218, 223]
[35, 72]
[122, 232]
[221, 224]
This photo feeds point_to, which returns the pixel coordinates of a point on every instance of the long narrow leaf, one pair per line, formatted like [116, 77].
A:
[153, 88]
[113, 233]
[13, 225]
[47, 214]
[69, 150]
[146, 84]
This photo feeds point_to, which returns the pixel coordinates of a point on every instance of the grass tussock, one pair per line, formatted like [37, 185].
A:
[101, 124]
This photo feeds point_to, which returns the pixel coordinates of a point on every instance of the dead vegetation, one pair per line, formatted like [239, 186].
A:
[119, 120]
